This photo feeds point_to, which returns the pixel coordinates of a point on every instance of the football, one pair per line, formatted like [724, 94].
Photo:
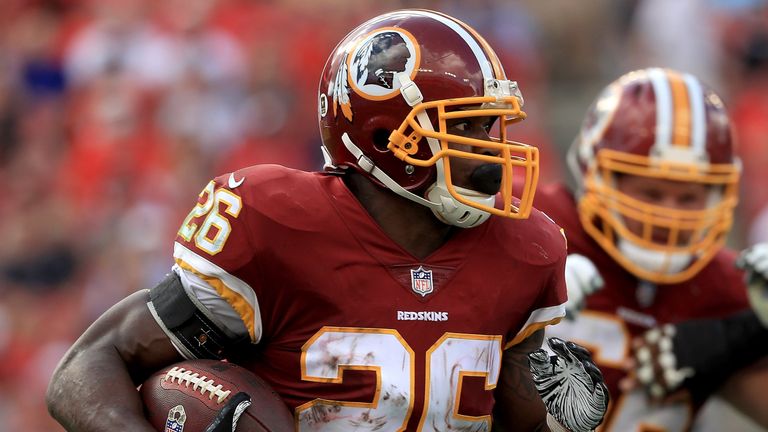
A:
[187, 396]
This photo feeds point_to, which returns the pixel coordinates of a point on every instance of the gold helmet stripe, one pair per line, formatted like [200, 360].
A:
[681, 110]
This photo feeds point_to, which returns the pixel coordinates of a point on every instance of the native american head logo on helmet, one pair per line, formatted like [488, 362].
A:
[379, 58]
[370, 68]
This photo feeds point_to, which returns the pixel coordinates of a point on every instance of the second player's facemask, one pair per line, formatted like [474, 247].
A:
[671, 244]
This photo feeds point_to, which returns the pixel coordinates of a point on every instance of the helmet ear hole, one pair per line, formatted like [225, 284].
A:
[380, 139]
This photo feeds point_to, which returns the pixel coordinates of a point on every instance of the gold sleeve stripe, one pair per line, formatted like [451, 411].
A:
[235, 291]
[523, 334]
[238, 303]
[681, 111]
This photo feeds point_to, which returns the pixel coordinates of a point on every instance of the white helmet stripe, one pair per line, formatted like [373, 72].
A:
[663, 107]
[698, 114]
[482, 57]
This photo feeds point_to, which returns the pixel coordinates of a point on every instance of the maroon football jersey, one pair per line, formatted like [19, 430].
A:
[626, 307]
[352, 330]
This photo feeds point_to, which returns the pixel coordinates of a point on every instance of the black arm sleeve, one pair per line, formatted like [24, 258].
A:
[189, 325]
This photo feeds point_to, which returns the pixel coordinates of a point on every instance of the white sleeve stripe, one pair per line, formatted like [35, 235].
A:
[545, 314]
[233, 283]
[538, 319]
[212, 304]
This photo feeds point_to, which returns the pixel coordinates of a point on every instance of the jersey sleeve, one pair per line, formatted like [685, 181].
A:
[549, 307]
[212, 250]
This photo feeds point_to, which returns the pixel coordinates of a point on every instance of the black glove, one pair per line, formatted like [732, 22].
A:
[698, 355]
[226, 419]
[570, 385]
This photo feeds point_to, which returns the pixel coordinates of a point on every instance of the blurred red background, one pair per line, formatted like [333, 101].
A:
[115, 113]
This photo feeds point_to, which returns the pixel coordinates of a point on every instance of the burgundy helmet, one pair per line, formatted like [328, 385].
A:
[663, 124]
[385, 95]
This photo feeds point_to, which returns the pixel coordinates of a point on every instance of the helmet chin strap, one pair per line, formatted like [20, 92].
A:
[368, 166]
[451, 211]
[443, 205]
[440, 201]
[457, 213]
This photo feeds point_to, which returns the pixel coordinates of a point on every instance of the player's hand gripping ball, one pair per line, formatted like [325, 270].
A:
[212, 396]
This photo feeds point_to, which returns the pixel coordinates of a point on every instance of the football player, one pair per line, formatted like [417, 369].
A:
[403, 288]
[657, 186]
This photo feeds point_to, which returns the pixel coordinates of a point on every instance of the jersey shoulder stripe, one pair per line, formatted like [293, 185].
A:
[234, 290]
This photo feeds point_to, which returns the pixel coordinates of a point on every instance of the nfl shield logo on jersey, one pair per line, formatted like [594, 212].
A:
[421, 281]
[176, 418]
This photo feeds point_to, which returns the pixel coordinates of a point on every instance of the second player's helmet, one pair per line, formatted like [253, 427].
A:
[662, 124]
[385, 96]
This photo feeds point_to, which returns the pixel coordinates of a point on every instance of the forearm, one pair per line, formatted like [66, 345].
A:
[94, 386]
[81, 403]
[520, 387]
[746, 389]
[518, 404]
[499, 426]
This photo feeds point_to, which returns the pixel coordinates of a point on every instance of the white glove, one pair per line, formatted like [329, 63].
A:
[581, 280]
[754, 261]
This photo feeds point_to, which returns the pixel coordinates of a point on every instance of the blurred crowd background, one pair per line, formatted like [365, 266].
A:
[115, 113]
